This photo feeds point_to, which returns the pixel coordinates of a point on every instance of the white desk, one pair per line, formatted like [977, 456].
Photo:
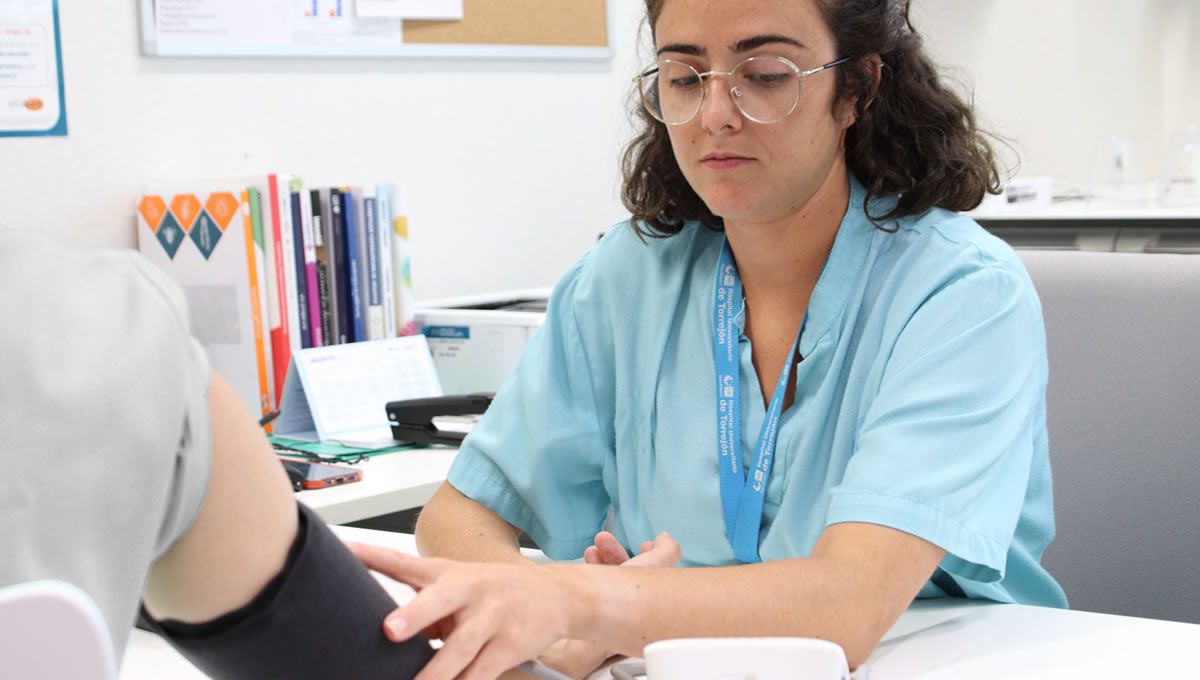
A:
[391, 482]
[933, 640]
[942, 640]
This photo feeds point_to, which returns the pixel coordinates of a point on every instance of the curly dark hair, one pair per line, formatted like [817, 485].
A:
[914, 137]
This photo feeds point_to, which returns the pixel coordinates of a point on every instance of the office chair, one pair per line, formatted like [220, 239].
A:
[1123, 415]
[51, 630]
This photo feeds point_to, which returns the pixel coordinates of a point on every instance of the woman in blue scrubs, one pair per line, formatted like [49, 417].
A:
[796, 360]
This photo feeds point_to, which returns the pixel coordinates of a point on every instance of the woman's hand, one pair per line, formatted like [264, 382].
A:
[494, 616]
[577, 658]
[663, 551]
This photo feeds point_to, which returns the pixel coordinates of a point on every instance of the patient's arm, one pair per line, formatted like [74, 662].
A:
[243, 530]
[256, 589]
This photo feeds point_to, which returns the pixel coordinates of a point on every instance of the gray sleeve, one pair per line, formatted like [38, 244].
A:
[193, 456]
[103, 402]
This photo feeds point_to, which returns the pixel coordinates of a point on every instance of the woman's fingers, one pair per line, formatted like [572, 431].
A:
[428, 608]
[591, 555]
[440, 630]
[492, 662]
[610, 549]
[519, 610]
[413, 571]
[663, 551]
[668, 547]
[459, 651]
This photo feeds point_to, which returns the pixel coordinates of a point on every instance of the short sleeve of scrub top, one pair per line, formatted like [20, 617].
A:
[944, 449]
[539, 466]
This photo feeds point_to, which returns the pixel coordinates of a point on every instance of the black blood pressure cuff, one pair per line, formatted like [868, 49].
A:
[320, 617]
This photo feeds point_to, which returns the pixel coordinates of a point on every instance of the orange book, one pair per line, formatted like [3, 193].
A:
[257, 298]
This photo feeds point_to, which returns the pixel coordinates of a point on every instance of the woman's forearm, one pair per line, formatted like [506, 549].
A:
[794, 598]
[850, 594]
[454, 526]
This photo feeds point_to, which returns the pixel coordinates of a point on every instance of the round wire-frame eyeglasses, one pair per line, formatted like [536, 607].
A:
[747, 86]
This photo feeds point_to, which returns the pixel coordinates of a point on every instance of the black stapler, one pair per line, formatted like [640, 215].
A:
[412, 419]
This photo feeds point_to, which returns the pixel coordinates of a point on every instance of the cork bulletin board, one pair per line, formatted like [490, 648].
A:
[543, 23]
[553, 29]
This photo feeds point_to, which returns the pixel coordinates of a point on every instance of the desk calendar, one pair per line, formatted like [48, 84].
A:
[337, 393]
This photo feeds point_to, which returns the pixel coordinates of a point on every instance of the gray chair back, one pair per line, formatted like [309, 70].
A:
[1123, 414]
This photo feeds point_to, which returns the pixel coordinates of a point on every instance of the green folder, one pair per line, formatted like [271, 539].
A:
[330, 450]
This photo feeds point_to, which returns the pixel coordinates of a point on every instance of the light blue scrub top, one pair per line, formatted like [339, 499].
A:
[920, 405]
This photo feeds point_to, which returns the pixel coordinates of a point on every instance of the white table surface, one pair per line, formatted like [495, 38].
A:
[933, 640]
[391, 482]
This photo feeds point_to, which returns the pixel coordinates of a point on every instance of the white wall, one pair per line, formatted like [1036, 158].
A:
[1054, 77]
[510, 168]
[1181, 103]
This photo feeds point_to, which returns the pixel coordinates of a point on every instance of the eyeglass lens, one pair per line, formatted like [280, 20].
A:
[765, 89]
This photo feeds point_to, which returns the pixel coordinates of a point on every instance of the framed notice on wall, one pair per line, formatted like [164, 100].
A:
[31, 79]
[552, 29]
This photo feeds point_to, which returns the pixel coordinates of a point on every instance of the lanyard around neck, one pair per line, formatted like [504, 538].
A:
[741, 494]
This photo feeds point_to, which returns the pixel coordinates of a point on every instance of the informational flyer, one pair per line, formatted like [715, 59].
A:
[409, 9]
[487, 29]
[263, 28]
[31, 79]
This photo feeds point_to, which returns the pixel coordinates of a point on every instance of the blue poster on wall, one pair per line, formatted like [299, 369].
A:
[31, 77]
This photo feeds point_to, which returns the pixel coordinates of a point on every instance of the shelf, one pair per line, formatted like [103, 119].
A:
[1087, 213]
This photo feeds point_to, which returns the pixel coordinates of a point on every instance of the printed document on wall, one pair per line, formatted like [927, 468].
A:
[263, 27]
[31, 82]
[410, 9]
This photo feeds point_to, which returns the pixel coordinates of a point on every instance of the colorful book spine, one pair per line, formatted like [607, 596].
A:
[332, 247]
[261, 215]
[281, 341]
[315, 334]
[355, 257]
[304, 326]
[256, 300]
[266, 277]
[287, 233]
[402, 263]
[339, 241]
[387, 279]
[370, 222]
[321, 255]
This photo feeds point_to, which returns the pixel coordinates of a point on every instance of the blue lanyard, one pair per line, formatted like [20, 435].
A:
[741, 495]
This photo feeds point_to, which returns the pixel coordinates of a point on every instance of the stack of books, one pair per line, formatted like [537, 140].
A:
[270, 267]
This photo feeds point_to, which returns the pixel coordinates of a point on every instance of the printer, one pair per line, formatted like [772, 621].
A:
[477, 340]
